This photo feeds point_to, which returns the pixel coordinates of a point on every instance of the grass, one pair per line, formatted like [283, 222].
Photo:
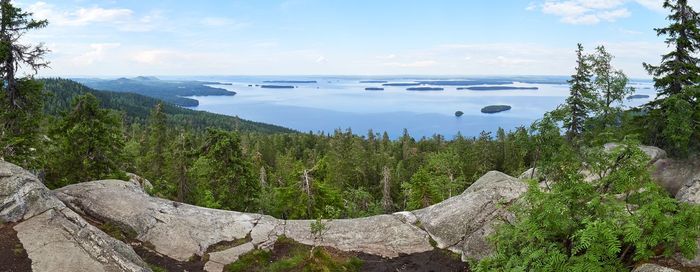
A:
[156, 268]
[290, 256]
[18, 250]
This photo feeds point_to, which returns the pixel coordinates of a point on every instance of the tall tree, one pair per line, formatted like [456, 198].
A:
[157, 141]
[611, 85]
[679, 68]
[676, 78]
[89, 144]
[580, 100]
[21, 98]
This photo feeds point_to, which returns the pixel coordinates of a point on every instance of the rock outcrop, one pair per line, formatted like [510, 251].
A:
[54, 237]
[653, 268]
[181, 231]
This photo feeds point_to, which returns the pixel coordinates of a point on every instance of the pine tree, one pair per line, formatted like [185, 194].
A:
[21, 99]
[89, 144]
[579, 103]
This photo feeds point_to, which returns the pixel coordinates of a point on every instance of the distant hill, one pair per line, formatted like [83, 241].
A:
[172, 91]
[137, 108]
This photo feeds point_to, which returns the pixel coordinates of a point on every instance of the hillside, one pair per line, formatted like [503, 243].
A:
[137, 108]
[171, 91]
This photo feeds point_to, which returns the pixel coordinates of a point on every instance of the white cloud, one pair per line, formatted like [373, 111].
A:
[81, 16]
[414, 64]
[223, 22]
[586, 12]
[96, 54]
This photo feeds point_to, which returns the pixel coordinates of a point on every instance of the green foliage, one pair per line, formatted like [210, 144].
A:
[604, 225]
[88, 144]
[581, 98]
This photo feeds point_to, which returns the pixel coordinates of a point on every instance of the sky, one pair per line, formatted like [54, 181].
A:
[349, 37]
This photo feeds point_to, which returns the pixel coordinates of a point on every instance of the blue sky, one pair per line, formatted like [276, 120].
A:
[355, 37]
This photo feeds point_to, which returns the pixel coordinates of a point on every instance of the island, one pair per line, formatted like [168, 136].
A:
[464, 82]
[495, 109]
[276, 87]
[425, 89]
[497, 88]
[291, 81]
[374, 89]
[372, 81]
[637, 96]
[459, 113]
[401, 84]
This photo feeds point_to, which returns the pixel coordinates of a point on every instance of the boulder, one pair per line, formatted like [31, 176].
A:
[674, 174]
[145, 184]
[54, 237]
[462, 223]
[653, 268]
[653, 152]
[690, 193]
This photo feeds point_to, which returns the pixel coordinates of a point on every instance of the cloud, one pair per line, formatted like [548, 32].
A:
[586, 12]
[96, 53]
[81, 16]
[414, 64]
[223, 22]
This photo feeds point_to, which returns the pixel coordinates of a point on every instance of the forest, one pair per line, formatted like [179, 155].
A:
[68, 133]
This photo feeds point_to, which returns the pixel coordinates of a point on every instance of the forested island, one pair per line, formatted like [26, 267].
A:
[637, 96]
[401, 84]
[495, 108]
[425, 89]
[374, 89]
[497, 88]
[277, 87]
[291, 81]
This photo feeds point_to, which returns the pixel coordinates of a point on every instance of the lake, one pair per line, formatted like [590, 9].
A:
[342, 102]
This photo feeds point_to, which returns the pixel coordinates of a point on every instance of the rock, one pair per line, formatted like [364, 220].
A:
[54, 237]
[674, 174]
[653, 152]
[217, 260]
[462, 223]
[653, 268]
[178, 231]
[531, 173]
[382, 235]
[141, 182]
[690, 193]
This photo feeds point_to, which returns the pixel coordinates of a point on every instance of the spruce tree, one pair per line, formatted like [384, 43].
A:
[89, 144]
[21, 101]
[679, 68]
[157, 141]
[579, 103]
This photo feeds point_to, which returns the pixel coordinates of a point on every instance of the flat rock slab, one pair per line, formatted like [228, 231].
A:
[382, 235]
[54, 237]
[653, 268]
[177, 230]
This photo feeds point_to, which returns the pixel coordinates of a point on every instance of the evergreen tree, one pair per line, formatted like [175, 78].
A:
[679, 68]
[157, 141]
[89, 144]
[580, 100]
[21, 99]
[676, 78]
[224, 172]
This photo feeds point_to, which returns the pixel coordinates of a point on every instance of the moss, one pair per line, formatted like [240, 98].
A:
[432, 241]
[18, 250]
[224, 245]
[292, 256]
[156, 268]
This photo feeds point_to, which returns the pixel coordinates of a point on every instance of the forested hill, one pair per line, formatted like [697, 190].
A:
[171, 91]
[138, 107]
